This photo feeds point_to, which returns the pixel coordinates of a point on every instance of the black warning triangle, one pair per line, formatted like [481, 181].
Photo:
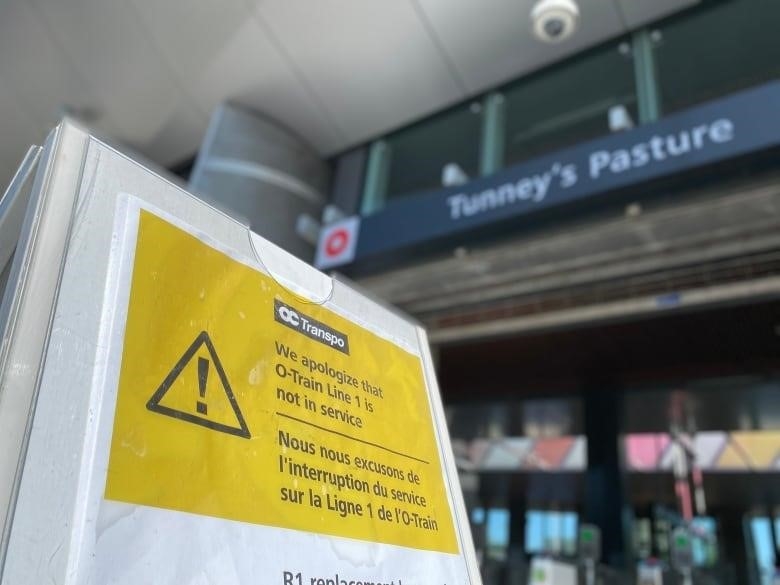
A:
[203, 339]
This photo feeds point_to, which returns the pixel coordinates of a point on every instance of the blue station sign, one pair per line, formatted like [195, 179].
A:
[739, 124]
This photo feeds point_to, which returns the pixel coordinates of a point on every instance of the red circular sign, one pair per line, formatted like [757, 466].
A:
[336, 242]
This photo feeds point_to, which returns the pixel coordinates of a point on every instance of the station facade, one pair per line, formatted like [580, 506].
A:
[595, 252]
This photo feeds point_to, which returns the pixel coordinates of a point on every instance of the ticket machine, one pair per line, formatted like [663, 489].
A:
[590, 551]
[549, 571]
[681, 554]
[650, 572]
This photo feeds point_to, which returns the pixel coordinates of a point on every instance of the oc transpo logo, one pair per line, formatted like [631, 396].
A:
[310, 327]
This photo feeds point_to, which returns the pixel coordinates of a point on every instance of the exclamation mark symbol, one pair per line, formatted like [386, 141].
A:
[203, 376]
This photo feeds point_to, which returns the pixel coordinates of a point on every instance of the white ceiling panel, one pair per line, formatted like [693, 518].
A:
[373, 64]
[17, 132]
[33, 67]
[111, 50]
[490, 41]
[189, 34]
[172, 144]
[249, 70]
[639, 12]
[337, 72]
[221, 52]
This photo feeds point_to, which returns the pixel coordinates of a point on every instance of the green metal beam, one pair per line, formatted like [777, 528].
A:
[491, 157]
[377, 172]
[647, 90]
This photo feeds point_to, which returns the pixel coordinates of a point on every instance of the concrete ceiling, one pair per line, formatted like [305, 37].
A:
[149, 72]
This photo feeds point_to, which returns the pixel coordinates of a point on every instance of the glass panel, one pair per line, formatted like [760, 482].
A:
[762, 543]
[643, 535]
[777, 530]
[528, 418]
[569, 531]
[441, 151]
[478, 515]
[570, 103]
[723, 47]
[551, 532]
[705, 541]
[534, 532]
[549, 418]
[497, 526]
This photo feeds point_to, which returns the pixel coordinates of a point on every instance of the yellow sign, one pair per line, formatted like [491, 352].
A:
[239, 401]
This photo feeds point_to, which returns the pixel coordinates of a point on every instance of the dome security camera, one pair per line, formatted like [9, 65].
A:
[555, 20]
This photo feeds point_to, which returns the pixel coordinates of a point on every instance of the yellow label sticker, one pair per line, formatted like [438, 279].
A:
[240, 401]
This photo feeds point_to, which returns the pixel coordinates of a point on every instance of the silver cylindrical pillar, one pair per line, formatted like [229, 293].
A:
[261, 173]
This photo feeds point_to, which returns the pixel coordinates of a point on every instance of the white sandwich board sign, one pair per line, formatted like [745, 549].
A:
[185, 403]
